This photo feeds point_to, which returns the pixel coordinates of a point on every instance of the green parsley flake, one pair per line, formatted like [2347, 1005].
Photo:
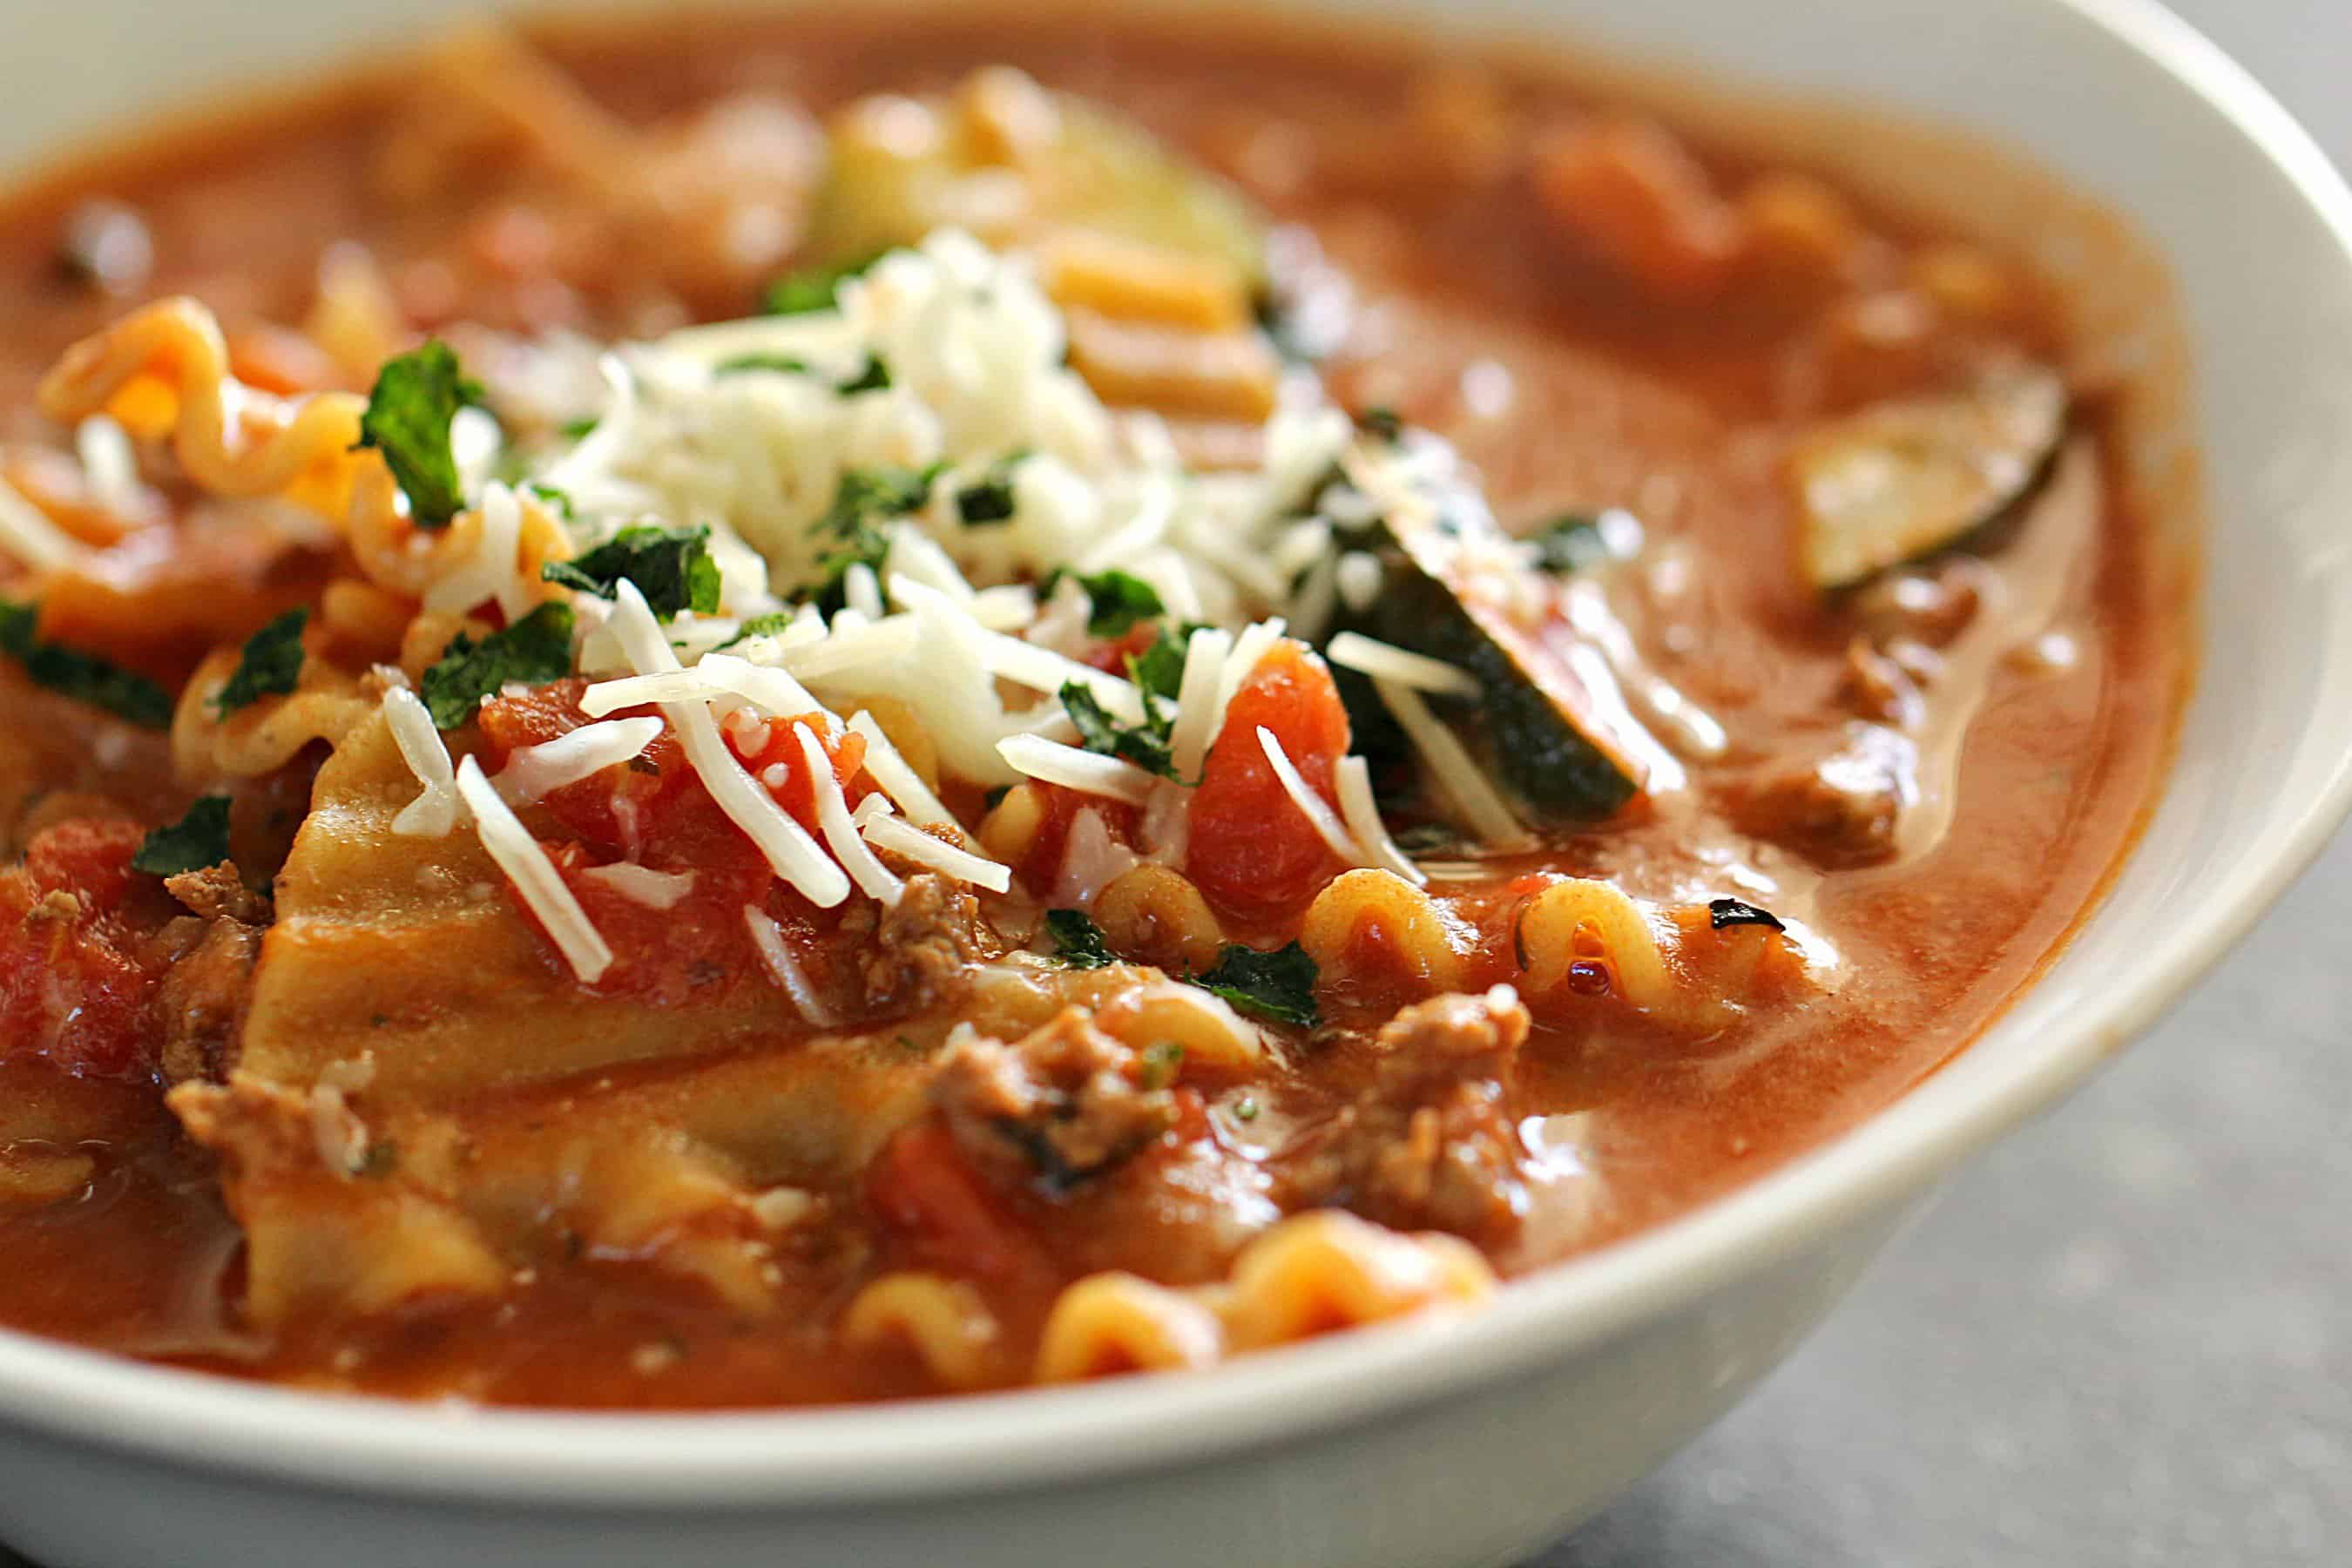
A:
[874, 377]
[1077, 941]
[864, 500]
[671, 567]
[1144, 744]
[196, 841]
[558, 498]
[533, 651]
[989, 500]
[780, 364]
[1277, 985]
[84, 677]
[407, 419]
[814, 288]
[269, 665]
[766, 626]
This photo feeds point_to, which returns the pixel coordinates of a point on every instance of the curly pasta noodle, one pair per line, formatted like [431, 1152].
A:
[1413, 933]
[1157, 913]
[1329, 1269]
[163, 372]
[1164, 1012]
[208, 747]
[944, 1322]
[1579, 919]
[1115, 1322]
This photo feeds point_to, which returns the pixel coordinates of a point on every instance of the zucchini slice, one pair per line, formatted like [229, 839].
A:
[1908, 478]
[1011, 162]
[1451, 589]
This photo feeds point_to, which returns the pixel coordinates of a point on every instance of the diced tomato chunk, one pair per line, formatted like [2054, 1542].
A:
[1252, 851]
[921, 1184]
[79, 963]
[797, 791]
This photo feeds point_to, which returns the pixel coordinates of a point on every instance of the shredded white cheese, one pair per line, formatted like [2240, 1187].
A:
[1368, 656]
[1311, 805]
[1084, 771]
[534, 876]
[642, 884]
[903, 838]
[789, 851]
[1361, 813]
[27, 534]
[1481, 807]
[897, 778]
[840, 835]
[435, 813]
[776, 956]
[1197, 714]
[534, 772]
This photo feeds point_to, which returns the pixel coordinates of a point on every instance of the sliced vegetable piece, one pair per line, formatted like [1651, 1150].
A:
[1015, 163]
[1908, 478]
[1532, 723]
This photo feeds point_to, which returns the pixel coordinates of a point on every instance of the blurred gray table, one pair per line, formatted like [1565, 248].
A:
[2124, 1337]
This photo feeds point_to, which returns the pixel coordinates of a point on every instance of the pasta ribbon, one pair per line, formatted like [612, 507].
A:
[163, 372]
[1115, 1322]
[1412, 930]
[942, 1321]
[1316, 1272]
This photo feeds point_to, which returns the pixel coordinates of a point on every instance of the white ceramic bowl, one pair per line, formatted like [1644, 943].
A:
[1421, 1445]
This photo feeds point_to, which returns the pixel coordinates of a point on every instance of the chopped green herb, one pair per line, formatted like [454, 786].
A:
[1158, 1063]
[1077, 941]
[1118, 599]
[1279, 985]
[1571, 542]
[1159, 670]
[533, 651]
[1722, 912]
[1144, 744]
[407, 419]
[812, 287]
[874, 377]
[560, 500]
[671, 567]
[765, 625]
[989, 499]
[783, 364]
[1380, 421]
[865, 497]
[84, 677]
[578, 430]
[1245, 1109]
[269, 665]
[194, 842]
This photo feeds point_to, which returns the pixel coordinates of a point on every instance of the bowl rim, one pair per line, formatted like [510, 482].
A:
[984, 1442]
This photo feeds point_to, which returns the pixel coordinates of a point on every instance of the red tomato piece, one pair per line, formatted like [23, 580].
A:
[1252, 852]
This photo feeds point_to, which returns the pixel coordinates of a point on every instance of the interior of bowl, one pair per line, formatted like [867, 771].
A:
[2117, 100]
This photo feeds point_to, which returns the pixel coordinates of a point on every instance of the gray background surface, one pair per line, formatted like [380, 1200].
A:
[2121, 1338]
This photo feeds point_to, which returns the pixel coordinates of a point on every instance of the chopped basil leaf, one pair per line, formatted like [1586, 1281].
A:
[783, 364]
[1722, 912]
[874, 377]
[578, 430]
[1144, 744]
[1077, 941]
[1380, 421]
[1158, 1063]
[1571, 542]
[671, 567]
[812, 287]
[197, 840]
[1279, 985]
[1117, 599]
[407, 419]
[533, 651]
[84, 677]
[1159, 670]
[765, 625]
[989, 499]
[560, 500]
[271, 665]
[865, 497]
